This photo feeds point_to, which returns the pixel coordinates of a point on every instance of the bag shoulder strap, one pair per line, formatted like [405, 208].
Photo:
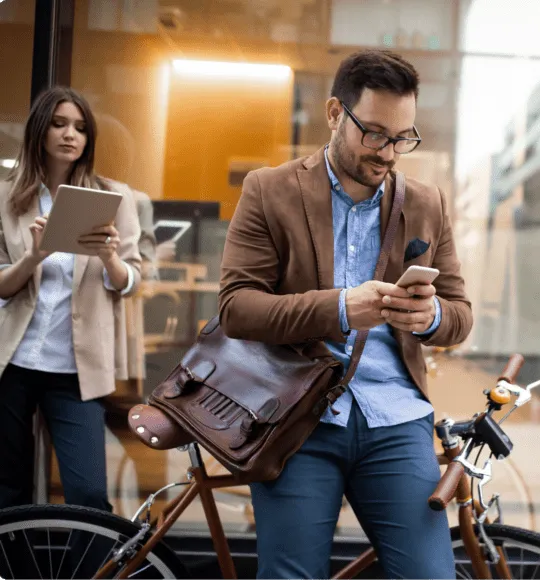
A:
[386, 248]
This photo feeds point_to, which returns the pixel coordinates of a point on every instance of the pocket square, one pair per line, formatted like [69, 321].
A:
[416, 248]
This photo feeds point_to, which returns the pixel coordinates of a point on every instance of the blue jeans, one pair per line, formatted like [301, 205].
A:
[77, 430]
[387, 475]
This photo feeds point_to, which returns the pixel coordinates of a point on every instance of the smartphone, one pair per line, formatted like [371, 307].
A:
[417, 275]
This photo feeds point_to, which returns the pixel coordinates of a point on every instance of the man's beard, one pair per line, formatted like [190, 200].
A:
[358, 169]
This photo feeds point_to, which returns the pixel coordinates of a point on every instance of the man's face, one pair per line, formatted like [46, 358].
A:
[380, 111]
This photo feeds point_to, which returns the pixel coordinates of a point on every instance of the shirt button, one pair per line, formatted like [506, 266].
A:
[351, 248]
[349, 349]
[338, 187]
[353, 209]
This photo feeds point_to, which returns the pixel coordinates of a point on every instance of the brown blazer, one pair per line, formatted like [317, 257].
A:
[277, 277]
[96, 311]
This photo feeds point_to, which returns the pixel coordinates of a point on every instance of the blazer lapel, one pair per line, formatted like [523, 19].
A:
[25, 221]
[395, 263]
[315, 190]
[79, 267]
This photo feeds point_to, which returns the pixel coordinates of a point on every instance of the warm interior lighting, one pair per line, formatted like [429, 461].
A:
[7, 163]
[231, 69]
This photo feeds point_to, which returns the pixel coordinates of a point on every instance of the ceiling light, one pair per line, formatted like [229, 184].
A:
[231, 69]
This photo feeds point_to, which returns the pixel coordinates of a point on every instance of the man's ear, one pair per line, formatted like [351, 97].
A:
[334, 110]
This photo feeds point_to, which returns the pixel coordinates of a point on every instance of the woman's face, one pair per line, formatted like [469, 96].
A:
[66, 137]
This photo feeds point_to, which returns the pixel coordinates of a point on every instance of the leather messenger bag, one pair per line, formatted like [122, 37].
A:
[252, 405]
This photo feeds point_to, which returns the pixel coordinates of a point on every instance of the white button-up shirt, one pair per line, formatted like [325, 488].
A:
[48, 342]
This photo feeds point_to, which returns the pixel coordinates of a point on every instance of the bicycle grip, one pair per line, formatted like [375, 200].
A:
[446, 488]
[512, 368]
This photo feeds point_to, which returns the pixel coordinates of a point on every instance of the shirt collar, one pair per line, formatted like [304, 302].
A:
[338, 188]
[45, 199]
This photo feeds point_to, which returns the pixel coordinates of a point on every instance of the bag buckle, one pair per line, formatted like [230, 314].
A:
[333, 395]
[180, 383]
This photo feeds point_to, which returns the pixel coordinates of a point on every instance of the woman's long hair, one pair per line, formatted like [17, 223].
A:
[30, 168]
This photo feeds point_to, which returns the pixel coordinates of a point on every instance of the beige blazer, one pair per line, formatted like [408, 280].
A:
[99, 335]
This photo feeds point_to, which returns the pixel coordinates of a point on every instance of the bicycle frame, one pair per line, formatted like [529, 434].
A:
[199, 483]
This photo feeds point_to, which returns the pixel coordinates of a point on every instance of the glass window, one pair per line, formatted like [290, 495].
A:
[16, 42]
[190, 96]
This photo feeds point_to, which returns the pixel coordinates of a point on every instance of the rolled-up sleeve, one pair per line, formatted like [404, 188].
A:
[129, 285]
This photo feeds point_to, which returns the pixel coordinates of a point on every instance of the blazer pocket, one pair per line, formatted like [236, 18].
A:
[425, 259]
[416, 248]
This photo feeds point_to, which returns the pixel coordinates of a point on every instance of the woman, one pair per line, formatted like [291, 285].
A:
[57, 325]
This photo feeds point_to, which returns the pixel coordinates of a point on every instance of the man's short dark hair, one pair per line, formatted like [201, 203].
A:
[376, 70]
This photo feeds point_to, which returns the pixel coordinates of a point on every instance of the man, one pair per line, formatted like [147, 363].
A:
[297, 268]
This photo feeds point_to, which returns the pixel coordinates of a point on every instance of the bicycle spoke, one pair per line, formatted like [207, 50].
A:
[465, 575]
[535, 573]
[50, 550]
[64, 554]
[536, 570]
[139, 571]
[108, 556]
[83, 556]
[7, 559]
[32, 552]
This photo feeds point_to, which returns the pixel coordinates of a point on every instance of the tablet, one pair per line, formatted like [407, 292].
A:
[76, 211]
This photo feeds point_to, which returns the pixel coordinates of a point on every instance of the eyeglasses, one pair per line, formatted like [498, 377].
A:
[377, 141]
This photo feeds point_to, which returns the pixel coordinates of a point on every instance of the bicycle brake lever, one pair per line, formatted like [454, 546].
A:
[484, 475]
[486, 478]
[523, 395]
[533, 386]
[474, 471]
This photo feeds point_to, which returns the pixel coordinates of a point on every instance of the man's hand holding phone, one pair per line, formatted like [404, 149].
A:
[416, 312]
[408, 305]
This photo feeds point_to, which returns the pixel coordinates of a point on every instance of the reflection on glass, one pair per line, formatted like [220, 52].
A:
[16, 45]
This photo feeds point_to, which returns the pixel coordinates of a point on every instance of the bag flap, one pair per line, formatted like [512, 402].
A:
[266, 380]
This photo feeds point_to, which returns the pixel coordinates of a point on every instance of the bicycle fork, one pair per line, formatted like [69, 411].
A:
[468, 515]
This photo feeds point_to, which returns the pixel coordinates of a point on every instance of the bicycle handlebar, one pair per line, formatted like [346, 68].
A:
[489, 433]
[512, 368]
[446, 488]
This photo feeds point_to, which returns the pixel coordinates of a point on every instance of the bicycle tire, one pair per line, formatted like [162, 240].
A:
[33, 541]
[511, 538]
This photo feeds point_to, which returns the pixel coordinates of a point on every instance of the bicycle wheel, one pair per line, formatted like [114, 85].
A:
[64, 541]
[521, 548]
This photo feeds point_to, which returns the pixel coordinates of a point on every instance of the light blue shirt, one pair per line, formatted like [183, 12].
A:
[47, 344]
[381, 385]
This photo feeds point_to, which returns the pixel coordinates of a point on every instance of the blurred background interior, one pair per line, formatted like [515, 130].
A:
[192, 94]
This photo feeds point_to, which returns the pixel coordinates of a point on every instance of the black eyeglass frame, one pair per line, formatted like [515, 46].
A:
[393, 140]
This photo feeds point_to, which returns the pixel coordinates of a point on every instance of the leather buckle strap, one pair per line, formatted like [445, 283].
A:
[184, 378]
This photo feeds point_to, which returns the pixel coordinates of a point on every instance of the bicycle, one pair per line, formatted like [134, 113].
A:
[67, 541]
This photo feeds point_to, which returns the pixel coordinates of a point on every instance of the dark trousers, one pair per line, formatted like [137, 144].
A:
[77, 430]
[387, 475]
